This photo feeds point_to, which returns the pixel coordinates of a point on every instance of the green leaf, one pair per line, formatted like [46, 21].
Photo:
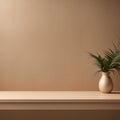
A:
[110, 61]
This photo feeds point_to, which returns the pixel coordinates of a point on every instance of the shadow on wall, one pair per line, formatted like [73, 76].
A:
[116, 81]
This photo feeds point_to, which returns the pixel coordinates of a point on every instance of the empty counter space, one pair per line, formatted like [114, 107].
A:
[59, 100]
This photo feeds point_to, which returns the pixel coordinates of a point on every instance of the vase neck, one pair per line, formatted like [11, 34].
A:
[106, 73]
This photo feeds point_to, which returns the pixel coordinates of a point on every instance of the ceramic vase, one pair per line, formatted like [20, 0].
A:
[105, 83]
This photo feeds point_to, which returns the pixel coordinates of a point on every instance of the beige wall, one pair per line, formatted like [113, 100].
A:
[44, 44]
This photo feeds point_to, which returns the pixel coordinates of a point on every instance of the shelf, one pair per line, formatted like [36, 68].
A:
[59, 100]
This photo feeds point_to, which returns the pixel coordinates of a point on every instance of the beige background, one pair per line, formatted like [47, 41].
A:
[44, 44]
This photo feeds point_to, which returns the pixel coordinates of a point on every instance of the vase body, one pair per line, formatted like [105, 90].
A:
[105, 83]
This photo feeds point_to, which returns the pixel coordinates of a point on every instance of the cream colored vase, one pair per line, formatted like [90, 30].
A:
[105, 83]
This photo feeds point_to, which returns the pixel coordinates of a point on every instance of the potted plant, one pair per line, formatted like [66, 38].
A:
[110, 62]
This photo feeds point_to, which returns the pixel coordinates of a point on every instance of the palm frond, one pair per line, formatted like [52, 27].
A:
[100, 62]
[116, 59]
[117, 46]
[110, 61]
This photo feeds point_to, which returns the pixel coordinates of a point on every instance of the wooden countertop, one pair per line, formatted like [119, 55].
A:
[59, 100]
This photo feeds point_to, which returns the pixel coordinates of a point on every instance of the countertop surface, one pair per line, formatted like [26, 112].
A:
[58, 95]
[59, 100]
